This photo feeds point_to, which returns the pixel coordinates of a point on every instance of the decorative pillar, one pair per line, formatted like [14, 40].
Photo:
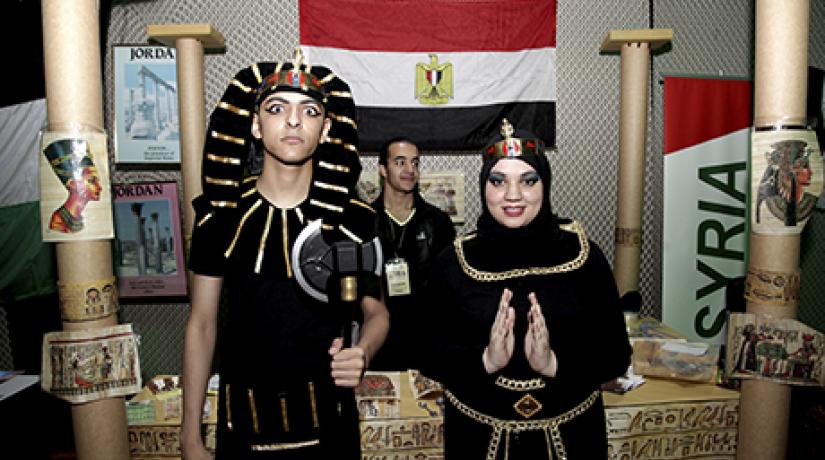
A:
[635, 47]
[71, 48]
[189, 41]
[779, 103]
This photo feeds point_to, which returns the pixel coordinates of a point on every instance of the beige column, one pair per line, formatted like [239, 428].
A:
[779, 99]
[189, 41]
[71, 47]
[634, 47]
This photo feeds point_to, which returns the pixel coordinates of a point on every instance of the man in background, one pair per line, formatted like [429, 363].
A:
[412, 233]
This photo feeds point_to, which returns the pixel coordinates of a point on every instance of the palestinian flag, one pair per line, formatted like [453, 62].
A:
[442, 72]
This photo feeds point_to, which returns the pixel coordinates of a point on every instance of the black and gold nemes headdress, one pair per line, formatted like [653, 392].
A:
[336, 165]
[510, 146]
[298, 78]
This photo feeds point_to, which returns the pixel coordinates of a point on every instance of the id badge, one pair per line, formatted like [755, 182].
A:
[398, 277]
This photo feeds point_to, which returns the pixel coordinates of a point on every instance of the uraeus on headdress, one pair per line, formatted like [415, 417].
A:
[511, 146]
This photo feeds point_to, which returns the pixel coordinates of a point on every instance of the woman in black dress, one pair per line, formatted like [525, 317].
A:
[528, 321]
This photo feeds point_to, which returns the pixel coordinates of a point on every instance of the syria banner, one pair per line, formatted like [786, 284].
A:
[706, 149]
[441, 72]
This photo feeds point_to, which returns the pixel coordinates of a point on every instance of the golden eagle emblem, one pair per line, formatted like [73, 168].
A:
[434, 82]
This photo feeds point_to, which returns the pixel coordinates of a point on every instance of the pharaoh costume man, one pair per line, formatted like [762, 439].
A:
[277, 399]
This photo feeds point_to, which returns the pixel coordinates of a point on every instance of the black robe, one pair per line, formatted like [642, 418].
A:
[273, 339]
[578, 296]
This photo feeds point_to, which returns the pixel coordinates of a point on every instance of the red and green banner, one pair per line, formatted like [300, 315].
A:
[706, 150]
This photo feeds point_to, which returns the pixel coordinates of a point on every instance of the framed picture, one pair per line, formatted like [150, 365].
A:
[148, 248]
[147, 123]
[444, 190]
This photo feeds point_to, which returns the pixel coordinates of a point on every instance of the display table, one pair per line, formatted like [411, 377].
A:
[154, 417]
[668, 419]
[401, 418]
[662, 419]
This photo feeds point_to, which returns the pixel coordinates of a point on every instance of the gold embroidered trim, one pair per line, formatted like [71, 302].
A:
[253, 409]
[249, 179]
[234, 109]
[327, 227]
[224, 204]
[240, 227]
[346, 94]
[333, 187]
[527, 406]
[257, 73]
[248, 192]
[205, 218]
[343, 119]
[351, 235]
[501, 427]
[227, 182]
[330, 76]
[284, 417]
[228, 138]
[362, 204]
[327, 206]
[222, 159]
[520, 385]
[262, 245]
[479, 275]
[300, 215]
[333, 167]
[241, 86]
[284, 446]
[228, 410]
[337, 141]
[285, 236]
[313, 405]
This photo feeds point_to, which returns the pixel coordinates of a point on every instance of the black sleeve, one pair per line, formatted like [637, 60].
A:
[451, 352]
[209, 238]
[603, 352]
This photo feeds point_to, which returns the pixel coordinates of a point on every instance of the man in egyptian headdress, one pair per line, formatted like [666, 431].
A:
[287, 377]
[71, 161]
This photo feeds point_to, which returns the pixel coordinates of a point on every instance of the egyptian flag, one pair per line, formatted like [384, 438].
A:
[442, 72]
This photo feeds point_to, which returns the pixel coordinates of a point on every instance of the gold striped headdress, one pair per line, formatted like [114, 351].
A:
[336, 165]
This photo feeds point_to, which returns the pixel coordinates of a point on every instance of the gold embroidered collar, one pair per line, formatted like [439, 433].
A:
[479, 275]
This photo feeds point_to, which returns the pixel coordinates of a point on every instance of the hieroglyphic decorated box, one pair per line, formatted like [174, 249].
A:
[154, 419]
[401, 417]
[665, 419]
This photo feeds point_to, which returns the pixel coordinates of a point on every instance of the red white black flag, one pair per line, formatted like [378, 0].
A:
[442, 72]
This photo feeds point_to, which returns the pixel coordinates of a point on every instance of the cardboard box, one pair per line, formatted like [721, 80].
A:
[154, 418]
[668, 419]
